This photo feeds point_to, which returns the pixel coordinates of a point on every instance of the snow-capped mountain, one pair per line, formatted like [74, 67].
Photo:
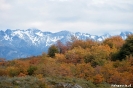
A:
[31, 42]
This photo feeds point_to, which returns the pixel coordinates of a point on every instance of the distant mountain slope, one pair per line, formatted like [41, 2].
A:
[24, 43]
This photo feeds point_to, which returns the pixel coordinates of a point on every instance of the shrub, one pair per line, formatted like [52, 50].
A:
[31, 70]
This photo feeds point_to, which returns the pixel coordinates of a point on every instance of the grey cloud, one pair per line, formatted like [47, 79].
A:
[75, 15]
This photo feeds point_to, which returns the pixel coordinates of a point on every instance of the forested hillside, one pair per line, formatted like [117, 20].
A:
[80, 63]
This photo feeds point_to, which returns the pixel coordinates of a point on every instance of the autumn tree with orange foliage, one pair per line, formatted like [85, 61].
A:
[114, 42]
[75, 55]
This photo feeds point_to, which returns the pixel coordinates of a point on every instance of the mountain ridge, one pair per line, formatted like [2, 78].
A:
[31, 42]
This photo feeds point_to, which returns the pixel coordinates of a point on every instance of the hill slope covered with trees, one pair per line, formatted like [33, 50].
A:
[81, 63]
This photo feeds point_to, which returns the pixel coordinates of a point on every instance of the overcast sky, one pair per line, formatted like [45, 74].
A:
[88, 16]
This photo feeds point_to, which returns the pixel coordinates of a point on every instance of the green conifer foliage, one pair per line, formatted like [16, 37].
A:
[127, 48]
[52, 50]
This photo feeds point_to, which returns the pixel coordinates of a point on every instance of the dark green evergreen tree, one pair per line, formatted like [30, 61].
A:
[52, 50]
[127, 48]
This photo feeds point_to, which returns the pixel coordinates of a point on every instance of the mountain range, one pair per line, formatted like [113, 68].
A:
[31, 42]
